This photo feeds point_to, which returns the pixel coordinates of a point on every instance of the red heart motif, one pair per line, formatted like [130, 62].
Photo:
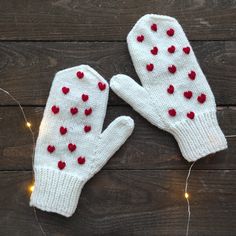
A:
[172, 69]
[73, 110]
[63, 130]
[192, 75]
[71, 147]
[190, 115]
[55, 109]
[154, 51]
[150, 67]
[87, 112]
[140, 38]
[51, 149]
[188, 94]
[170, 32]
[171, 49]
[65, 90]
[81, 160]
[172, 112]
[87, 128]
[186, 50]
[171, 89]
[80, 74]
[154, 27]
[61, 165]
[101, 86]
[202, 98]
[85, 97]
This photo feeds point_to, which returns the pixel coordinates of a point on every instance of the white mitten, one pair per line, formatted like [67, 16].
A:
[71, 146]
[175, 95]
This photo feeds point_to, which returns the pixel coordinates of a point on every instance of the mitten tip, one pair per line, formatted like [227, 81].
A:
[81, 69]
[150, 18]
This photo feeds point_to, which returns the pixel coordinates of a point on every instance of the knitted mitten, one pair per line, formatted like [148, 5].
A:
[70, 147]
[175, 95]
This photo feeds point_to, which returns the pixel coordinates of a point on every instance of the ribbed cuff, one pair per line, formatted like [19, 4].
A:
[199, 137]
[56, 191]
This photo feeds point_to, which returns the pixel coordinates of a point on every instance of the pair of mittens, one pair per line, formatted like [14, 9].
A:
[71, 146]
[174, 95]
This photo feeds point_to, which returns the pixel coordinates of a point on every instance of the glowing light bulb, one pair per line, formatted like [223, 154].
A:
[186, 195]
[28, 124]
[31, 188]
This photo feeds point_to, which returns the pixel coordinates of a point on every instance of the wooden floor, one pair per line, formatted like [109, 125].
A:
[140, 190]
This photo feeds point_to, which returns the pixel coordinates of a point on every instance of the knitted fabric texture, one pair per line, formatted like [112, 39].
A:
[71, 146]
[174, 95]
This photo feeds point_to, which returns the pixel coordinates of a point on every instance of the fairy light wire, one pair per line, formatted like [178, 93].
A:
[29, 125]
[186, 195]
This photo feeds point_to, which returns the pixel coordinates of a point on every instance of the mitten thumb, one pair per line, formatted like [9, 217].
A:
[112, 138]
[136, 96]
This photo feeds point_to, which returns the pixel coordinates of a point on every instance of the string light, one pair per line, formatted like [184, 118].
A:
[31, 188]
[28, 124]
[186, 195]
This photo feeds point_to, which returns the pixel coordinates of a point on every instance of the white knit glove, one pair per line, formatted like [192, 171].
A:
[70, 147]
[174, 95]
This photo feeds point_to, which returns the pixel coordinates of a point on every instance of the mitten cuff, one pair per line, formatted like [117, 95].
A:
[56, 191]
[199, 137]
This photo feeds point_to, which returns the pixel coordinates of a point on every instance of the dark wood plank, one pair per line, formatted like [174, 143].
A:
[27, 69]
[128, 203]
[147, 148]
[111, 20]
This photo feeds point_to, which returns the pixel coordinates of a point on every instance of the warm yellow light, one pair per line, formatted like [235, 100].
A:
[31, 188]
[28, 124]
[186, 195]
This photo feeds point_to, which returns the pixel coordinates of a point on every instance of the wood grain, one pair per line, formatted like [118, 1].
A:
[140, 190]
[147, 148]
[111, 20]
[123, 202]
[27, 69]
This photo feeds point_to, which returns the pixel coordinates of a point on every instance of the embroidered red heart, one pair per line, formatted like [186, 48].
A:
[171, 89]
[172, 112]
[63, 130]
[80, 74]
[202, 98]
[154, 51]
[154, 27]
[87, 128]
[55, 109]
[170, 32]
[171, 49]
[188, 94]
[192, 75]
[140, 38]
[190, 115]
[186, 50]
[150, 67]
[101, 86]
[81, 160]
[172, 69]
[73, 110]
[85, 97]
[87, 112]
[51, 149]
[65, 90]
[61, 165]
[71, 147]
